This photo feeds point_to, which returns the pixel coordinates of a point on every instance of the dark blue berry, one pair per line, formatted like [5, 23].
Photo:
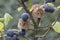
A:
[49, 1]
[49, 9]
[15, 37]
[10, 33]
[12, 38]
[24, 16]
[25, 0]
[22, 32]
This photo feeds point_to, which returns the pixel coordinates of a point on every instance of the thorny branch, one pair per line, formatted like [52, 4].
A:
[35, 24]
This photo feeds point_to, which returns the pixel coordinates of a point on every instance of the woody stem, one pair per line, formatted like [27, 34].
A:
[35, 24]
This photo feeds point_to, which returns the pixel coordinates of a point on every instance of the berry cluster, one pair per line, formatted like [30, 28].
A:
[49, 9]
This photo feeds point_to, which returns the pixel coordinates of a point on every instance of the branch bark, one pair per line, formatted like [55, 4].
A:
[35, 24]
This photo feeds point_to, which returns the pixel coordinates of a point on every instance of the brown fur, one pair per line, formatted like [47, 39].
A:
[23, 25]
[37, 10]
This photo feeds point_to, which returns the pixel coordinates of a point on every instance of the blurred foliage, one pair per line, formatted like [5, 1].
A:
[10, 6]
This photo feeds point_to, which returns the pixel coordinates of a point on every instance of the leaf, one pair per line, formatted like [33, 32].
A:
[1, 27]
[7, 18]
[29, 3]
[50, 4]
[1, 19]
[58, 8]
[56, 27]
[19, 9]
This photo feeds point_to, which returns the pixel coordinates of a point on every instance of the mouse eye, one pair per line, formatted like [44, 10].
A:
[38, 13]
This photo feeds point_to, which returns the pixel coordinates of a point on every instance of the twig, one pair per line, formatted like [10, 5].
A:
[36, 31]
[45, 33]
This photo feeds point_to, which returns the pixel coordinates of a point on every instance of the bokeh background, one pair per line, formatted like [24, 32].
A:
[10, 6]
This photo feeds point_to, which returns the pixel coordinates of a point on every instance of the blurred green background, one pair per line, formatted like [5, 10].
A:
[10, 6]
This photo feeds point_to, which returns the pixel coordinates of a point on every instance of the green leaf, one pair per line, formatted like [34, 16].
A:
[56, 27]
[7, 18]
[19, 9]
[58, 8]
[51, 4]
[1, 27]
[1, 19]
[29, 3]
